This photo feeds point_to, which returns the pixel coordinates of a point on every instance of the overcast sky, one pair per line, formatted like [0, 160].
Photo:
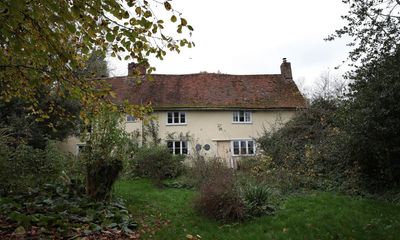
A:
[252, 37]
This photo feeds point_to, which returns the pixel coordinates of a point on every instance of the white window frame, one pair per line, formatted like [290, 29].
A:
[179, 118]
[240, 147]
[181, 148]
[130, 121]
[247, 117]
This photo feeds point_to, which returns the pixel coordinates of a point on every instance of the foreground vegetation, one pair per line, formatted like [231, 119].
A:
[168, 214]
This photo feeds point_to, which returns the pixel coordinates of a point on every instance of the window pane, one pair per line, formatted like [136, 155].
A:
[241, 116]
[176, 117]
[235, 117]
[169, 117]
[183, 119]
[243, 147]
[235, 147]
[130, 118]
[247, 116]
[184, 147]
[177, 147]
[250, 147]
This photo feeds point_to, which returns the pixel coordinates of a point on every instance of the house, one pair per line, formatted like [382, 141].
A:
[211, 114]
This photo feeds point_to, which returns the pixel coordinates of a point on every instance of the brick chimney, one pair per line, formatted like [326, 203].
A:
[136, 68]
[286, 70]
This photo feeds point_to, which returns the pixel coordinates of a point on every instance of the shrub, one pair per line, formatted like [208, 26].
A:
[255, 166]
[25, 167]
[107, 148]
[157, 163]
[312, 149]
[258, 200]
[372, 119]
[228, 196]
[219, 197]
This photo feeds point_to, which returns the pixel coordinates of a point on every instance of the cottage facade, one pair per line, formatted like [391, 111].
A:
[214, 115]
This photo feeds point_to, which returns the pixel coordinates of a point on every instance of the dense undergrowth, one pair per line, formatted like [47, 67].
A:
[60, 211]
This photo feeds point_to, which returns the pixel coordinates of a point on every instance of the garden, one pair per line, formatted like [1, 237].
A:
[331, 172]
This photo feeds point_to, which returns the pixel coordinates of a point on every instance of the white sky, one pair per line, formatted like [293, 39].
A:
[252, 37]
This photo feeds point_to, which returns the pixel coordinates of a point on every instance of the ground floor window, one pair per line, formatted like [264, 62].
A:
[178, 147]
[243, 147]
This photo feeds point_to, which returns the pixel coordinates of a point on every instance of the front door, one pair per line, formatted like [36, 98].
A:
[224, 152]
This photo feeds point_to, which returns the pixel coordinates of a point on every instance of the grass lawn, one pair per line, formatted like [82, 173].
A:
[168, 214]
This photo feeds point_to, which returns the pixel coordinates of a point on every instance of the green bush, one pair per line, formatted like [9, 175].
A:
[157, 163]
[259, 200]
[372, 119]
[25, 167]
[312, 150]
[107, 147]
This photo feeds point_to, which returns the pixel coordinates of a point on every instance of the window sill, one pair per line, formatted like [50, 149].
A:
[176, 124]
[244, 155]
[242, 122]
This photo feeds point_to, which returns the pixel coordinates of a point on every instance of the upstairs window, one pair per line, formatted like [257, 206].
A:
[130, 118]
[242, 117]
[176, 118]
[178, 147]
[243, 147]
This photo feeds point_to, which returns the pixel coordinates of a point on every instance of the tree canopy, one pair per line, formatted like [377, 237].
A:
[43, 43]
[373, 25]
[371, 116]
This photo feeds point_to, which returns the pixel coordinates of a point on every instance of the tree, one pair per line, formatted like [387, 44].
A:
[373, 120]
[371, 116]
[107, 147]
[44, 42]
[95, 66]
[35, 131]
[330, 86]
[373, 26]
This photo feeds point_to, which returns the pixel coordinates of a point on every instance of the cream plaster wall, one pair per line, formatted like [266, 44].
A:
[209, 127]
[205, 127]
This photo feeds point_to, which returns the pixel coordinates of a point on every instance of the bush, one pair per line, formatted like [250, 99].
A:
[107, 147]
[157, 163]
[227, 196]
[255, 166]
[24, 167]
[219, 197]
[312, 149]
[372, 119]
[258, 200]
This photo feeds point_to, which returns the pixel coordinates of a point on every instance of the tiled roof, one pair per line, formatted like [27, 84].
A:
[210, 91]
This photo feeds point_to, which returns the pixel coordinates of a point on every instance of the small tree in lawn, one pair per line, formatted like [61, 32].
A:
[107, 146]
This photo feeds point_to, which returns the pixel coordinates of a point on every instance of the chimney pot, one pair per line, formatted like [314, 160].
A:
[286, 70]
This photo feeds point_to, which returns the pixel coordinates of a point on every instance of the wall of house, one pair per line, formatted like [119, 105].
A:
[215, 128]
[211, 127]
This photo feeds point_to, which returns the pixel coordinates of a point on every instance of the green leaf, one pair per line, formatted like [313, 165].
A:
[183, 22]
[167, 6]
[173, 18]
[110, 37]
[138, 10]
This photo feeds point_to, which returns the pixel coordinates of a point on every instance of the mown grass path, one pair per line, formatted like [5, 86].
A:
[168, 214]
